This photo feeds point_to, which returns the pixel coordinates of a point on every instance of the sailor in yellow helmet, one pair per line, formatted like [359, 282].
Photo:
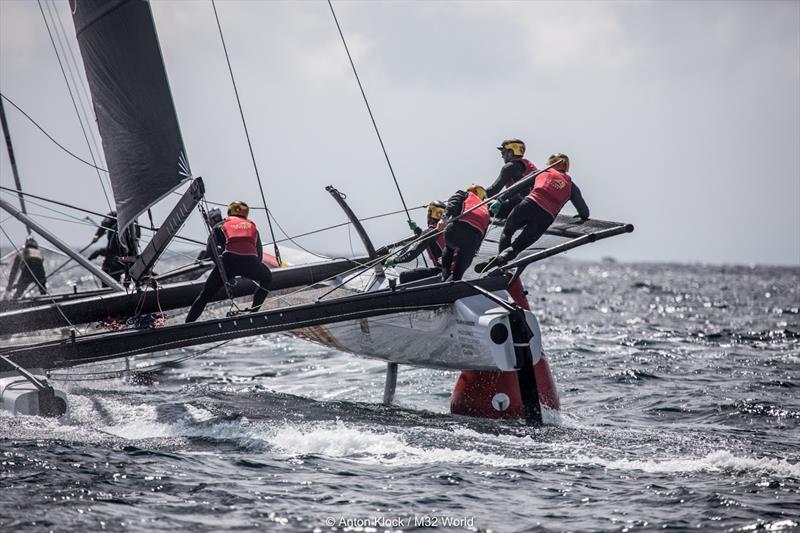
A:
[515, 167]
[431, 240]
[537, 211]
[465, 220]
[241, 252]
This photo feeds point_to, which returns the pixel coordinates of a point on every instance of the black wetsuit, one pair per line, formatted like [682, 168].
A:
[430, 243]
[462, 240]
[30, 267]
[246, 266]
[512, 172]
[534, 221]
[114, 250]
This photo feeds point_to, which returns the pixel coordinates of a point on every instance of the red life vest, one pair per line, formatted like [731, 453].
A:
[529, 167]
[440, 243]
[241, 236]
[552, 190]
[479, 218]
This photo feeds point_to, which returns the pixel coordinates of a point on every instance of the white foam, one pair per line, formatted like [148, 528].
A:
[719, 461]
[343, 441]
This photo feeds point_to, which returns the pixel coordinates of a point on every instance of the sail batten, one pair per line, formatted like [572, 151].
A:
[132, 101]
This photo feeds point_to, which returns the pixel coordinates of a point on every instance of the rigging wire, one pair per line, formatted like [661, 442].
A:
[154, 366]
[64, 148]
[369, 109]
[149, 228]
[72, 97]
[74, 74]
[80, 87]
[246, 133]
[287, 236]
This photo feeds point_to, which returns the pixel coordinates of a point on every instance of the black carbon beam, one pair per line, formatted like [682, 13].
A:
[173, 223]
[107, 346]
[528, 389]
[168, 297]
[523, 262]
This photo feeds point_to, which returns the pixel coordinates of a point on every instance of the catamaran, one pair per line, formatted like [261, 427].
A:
[481, 325]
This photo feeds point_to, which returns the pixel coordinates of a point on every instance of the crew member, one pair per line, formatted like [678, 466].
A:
[463, 237]
[27, 268]
[538, 210]
[515, 168]
[238, 240]
[431, 241]
[117, 248]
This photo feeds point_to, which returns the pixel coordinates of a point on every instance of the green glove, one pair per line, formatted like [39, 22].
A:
[414, 227]
[390, 261]
[495, 206]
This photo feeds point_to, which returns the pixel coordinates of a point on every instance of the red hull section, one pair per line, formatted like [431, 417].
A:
[496, 394]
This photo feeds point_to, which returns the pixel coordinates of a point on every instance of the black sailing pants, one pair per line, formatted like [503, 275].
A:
[462, 241]
[418, 274]
[532, 219]
[246, 266]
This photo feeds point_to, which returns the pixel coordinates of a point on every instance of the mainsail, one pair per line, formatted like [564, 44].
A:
[132, 101]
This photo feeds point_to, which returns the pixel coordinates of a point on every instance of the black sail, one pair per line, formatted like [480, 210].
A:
[132, 101]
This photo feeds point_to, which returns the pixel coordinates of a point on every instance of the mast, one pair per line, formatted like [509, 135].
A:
[12, 160]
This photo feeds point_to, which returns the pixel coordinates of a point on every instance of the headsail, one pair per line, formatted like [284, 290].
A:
[135, 113]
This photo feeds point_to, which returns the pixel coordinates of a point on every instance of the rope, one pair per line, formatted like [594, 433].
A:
[246, 133]
[72, 97]
[65, 149]
[83, 210]
[369, 109]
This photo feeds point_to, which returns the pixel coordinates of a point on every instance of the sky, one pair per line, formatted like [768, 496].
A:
[682, 118]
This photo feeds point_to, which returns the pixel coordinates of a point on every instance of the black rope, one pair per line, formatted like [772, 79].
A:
[246, 133]
[369, 109]
[85, 162]
[72, 97]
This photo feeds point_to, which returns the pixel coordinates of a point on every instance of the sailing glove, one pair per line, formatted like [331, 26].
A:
[390, 261]
[495, 206]
[414, 227]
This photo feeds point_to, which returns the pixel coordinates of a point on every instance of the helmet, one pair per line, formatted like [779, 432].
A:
[478, 191]
[435, 210]
[559, 157]
[214, 217]
[30, 242]
[516, 146]
[238, 209]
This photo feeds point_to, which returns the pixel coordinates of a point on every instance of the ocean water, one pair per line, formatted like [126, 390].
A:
[680, 392]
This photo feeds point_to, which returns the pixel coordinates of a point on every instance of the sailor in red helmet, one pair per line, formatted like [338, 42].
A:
[534, 214]
[240, 243]
[463, 236]
[515, 168]
[431, 241]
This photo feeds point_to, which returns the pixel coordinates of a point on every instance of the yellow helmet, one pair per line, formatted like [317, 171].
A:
[435, 210]
[516, 146]
[238, 209]
[478, 191]
[559, 157]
